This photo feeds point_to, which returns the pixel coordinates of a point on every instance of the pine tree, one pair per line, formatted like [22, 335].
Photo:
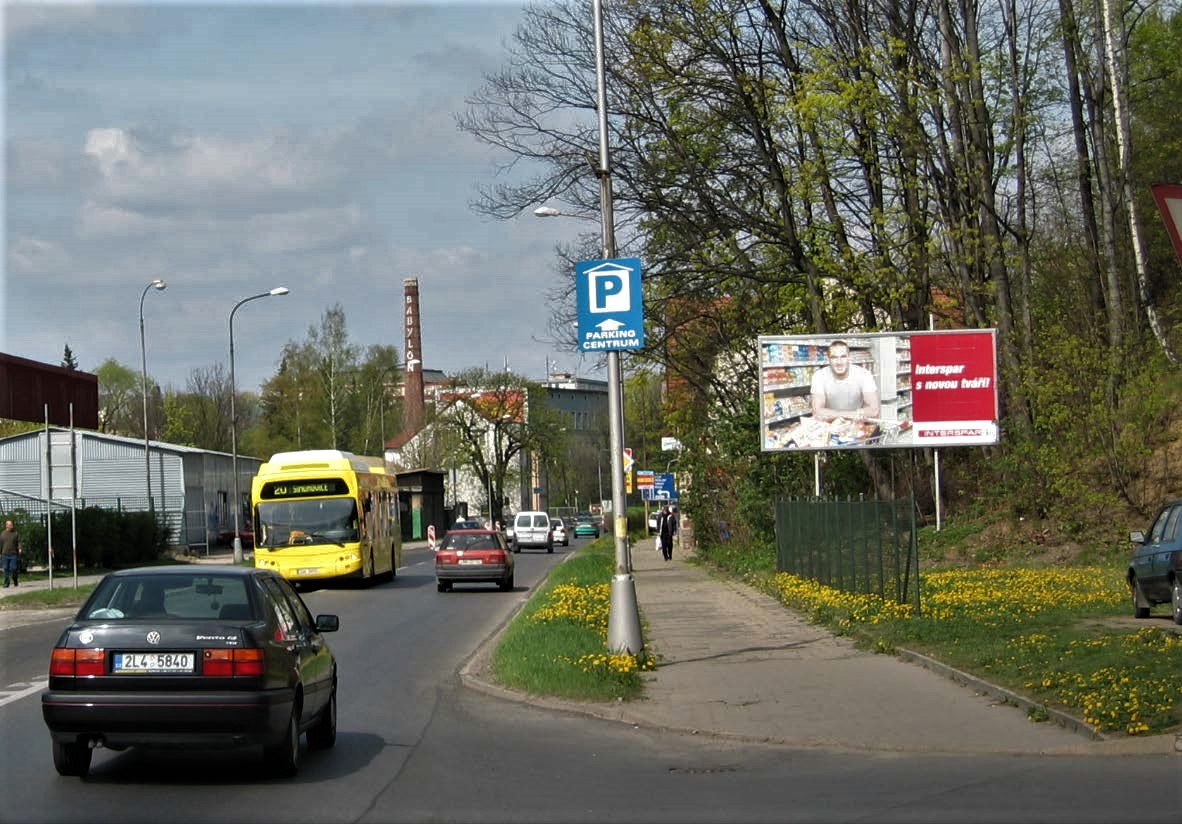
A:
[68, 359]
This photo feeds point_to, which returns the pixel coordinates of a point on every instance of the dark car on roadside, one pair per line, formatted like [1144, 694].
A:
[1155, 570]
[192, 656]
[473, 556]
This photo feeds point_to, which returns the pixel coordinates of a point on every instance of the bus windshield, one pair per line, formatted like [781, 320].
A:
[307, 521]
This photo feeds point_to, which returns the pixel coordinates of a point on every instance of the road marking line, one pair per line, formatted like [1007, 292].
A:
[28, 690]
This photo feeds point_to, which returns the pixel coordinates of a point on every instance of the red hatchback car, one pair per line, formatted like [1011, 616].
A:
[473, 556]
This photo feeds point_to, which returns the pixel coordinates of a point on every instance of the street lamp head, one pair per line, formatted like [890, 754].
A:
[547, 211]
[159, 283]
[279, 290]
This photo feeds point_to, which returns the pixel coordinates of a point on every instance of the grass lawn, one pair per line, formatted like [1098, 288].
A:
[1060, 636]
[557, 644]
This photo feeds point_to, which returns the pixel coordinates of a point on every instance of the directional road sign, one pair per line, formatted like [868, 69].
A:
[664, 488]
[610, 304]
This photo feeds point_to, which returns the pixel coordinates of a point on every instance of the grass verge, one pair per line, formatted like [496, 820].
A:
[1063, 637]
[557, 644]
[63, 594]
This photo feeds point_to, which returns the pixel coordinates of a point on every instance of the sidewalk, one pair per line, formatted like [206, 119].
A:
[735, 663]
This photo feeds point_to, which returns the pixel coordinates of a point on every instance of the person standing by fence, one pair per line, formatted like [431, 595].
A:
[10, 553]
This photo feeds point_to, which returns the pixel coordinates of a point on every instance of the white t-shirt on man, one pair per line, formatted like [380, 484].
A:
[843, 394]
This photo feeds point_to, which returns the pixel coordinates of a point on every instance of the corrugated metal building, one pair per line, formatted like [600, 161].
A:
[191, 488]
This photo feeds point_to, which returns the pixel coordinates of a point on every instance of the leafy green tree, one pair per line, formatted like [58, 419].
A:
[329, 393]
[120, 401]
[489, 419]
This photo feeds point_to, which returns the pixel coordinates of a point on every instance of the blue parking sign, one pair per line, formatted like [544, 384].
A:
[610, 304]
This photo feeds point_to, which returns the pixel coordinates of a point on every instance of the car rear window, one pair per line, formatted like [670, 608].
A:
[184, 595]
[454, 541]
[541, 520]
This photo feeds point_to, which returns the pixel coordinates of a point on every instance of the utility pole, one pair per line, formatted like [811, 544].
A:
[623, 626]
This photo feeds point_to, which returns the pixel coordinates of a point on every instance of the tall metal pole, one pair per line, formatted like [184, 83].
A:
[237, 503]
[156, 284]
[623, 628]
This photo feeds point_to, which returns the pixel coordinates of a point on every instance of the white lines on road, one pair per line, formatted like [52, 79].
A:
[19, 690]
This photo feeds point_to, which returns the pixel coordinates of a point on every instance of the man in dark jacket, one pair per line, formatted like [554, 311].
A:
[10, 553]
[666, 528]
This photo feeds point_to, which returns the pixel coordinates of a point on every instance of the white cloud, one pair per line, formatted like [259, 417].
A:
[206, 171]
[31, 256]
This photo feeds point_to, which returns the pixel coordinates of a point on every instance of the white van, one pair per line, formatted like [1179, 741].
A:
[532, 530]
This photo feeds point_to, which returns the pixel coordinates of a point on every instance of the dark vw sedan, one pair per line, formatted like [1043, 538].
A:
[189, 655]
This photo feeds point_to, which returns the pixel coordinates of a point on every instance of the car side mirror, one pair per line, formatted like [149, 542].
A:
[1137, 537]
[327, 623]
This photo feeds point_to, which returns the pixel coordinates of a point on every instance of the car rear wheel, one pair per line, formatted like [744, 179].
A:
[506, 583]
[1176, 600]
[71, 758]
[323, 734]
[284, 758]
[1140, 604]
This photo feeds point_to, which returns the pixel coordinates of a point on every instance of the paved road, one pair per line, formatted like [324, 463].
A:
[736, 664]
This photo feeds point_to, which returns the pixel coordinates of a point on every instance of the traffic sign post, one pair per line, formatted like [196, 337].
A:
[611, 318]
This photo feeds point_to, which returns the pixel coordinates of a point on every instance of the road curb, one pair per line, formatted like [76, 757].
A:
[1063, 719]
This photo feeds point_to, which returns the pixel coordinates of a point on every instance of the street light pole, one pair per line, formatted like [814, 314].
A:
[156, 284]
[237, 504]
[623, 629]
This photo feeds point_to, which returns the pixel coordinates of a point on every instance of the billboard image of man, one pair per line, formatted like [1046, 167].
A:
[843, 389]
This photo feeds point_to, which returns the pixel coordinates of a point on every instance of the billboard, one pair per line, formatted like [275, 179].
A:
[878, 390]
[27, 387]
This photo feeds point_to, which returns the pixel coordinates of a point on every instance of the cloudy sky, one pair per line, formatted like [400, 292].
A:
[232, 148]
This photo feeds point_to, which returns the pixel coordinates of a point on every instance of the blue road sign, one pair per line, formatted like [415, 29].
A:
[610, 304]
[664, 488]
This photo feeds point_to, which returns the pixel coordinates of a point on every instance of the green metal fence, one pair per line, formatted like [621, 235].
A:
[860, 546]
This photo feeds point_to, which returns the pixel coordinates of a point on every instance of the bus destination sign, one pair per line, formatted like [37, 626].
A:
[312, 488]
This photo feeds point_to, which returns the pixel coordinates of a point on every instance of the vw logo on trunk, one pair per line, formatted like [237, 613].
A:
[153, 637]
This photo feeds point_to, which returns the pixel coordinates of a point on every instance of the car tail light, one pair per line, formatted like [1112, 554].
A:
[230, 662]
[77, 662]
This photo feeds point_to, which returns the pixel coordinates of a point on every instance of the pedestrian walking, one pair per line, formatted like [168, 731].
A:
[666, 528]
[10, 553]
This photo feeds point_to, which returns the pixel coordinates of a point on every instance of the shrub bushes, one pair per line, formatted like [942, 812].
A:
[107, 539]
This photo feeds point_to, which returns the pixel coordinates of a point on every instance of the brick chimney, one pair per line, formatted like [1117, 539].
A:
[414, 406]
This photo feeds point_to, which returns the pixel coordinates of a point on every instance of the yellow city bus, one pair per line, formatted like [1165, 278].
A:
[324, 514]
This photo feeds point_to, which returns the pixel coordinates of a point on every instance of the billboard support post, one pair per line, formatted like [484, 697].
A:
[935, 452]
[936, 458]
